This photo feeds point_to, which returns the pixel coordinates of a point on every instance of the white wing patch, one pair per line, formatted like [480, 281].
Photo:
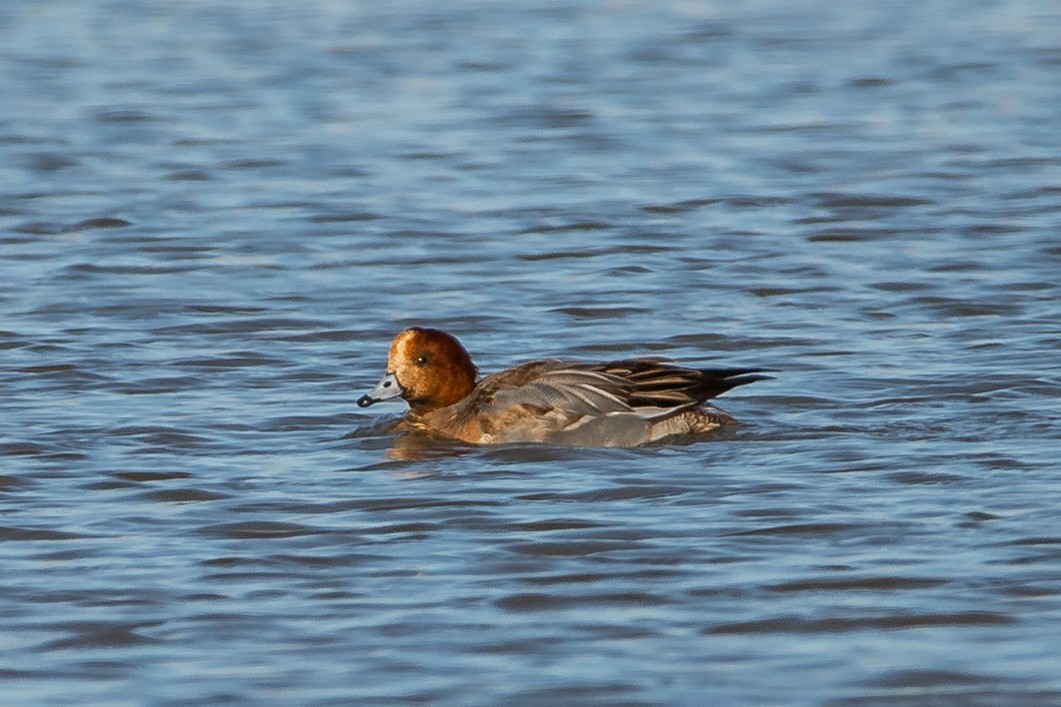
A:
[574, 391]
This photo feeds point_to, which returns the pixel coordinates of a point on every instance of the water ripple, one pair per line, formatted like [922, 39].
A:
[215, 216]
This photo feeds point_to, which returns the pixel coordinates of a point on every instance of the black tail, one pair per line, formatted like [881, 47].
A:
[716, 381]
[655, 383]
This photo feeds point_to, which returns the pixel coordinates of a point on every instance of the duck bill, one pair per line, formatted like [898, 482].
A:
[388, 388]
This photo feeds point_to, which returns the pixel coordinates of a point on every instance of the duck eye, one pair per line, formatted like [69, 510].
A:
[421, 360]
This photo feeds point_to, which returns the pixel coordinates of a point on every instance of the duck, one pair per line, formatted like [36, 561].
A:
[623, 403]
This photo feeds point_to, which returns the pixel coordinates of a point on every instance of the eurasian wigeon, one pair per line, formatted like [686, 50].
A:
[615, 404]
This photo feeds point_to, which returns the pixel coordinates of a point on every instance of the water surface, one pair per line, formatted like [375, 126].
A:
[214, 218]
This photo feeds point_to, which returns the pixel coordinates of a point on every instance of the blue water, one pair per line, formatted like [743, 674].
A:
[215, 216]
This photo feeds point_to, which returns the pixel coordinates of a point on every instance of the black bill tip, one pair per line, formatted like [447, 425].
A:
[365, 400]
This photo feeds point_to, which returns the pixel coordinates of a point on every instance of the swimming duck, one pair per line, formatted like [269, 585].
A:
[622, 403]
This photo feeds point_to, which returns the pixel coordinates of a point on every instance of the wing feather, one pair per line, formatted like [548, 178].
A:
[568, 392]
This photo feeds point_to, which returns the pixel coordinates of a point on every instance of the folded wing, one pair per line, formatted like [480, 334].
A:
[568, 392]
